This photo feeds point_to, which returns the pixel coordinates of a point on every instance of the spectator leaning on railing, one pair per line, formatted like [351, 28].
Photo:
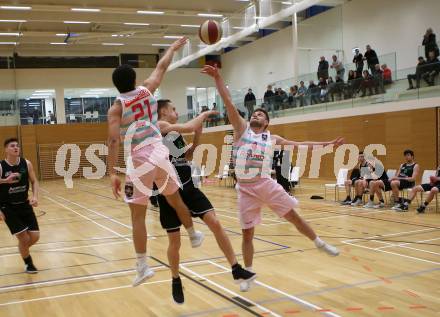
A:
[313, 92]
[301, 95]
[418, 75]
[338, 67]
[371, 57]
[432, 69]
[430, 43]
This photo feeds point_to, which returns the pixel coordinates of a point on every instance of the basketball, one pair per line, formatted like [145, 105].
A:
[210, 32]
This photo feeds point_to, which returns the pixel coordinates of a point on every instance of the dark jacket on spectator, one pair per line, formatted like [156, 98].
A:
[421, 68]
[268, 96]
[359, 60]
[430, 44]
[249, 97]
[323, 69]
[432, 65]
[372, 58]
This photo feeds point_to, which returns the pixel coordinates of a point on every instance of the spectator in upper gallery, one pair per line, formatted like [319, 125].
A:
[338, 66]
[292, 97]
[378, 79]
[420, 69]
[281, 97]
[358, 59]
[269, 100]
[367, 82]
[430, 43]
[353, 84]
[313, 91]
[431, 69]
[323, 68]
[323, 89]
[301, 95]
[371, 57]
[249, 102]
[387, 75]
[336, 87]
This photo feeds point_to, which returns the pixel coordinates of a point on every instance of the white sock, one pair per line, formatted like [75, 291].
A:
[141, 259]
[191, 231]
[250, 269]
[318, 242]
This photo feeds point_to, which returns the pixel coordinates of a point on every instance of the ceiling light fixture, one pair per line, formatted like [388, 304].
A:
[172, 37]
[190, 26]
[13, 21]
[8, 43]
[210, 15]
[11, 34]
[15, 8]
[113, 44]
[150, 12]
[138, 24]
[85, 10]
[76, 22]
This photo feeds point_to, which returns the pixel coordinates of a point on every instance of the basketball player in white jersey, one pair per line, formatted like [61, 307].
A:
[253, 157]
[133, 119]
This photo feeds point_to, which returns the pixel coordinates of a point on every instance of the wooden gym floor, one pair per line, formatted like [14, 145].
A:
[389, 263]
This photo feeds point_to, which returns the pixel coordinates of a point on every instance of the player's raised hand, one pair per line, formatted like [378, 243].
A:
[177, 45]
[210, 71]
[116, 185]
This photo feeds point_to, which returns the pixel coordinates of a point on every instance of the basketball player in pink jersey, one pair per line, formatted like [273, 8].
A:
[253, 158]
[133, 119]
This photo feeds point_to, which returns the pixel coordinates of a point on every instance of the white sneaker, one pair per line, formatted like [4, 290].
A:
[329, 249]
[379, 205]
[370, 204]
[143, 273]
[245, 286]
[197, 239]
[396, 206]
[358, 202]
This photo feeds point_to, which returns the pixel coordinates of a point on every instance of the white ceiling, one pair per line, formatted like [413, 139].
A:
[46, 19]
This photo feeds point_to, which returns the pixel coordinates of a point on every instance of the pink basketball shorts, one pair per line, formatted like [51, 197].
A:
[264, 191]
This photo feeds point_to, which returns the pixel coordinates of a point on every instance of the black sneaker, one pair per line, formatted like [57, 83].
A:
[347, 201]
[177, 288]
[242, 275]
[401, 208]
[30, 268]
[421, 209]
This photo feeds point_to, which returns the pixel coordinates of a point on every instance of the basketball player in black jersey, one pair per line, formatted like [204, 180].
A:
[197, 202]
[433, 188]
[15, 205]
[405, 178]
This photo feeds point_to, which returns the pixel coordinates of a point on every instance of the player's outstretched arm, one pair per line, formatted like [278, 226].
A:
[156, 77]
[114, 125]
[195, 143]
[281, 141]
[188, 127]
[238, 123]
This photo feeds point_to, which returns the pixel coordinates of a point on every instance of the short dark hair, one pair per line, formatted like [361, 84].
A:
[124, 78]
[161, 104]
[263, 111]
[10, 140]
[411, 152]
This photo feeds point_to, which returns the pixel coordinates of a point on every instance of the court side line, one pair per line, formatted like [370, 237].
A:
[391, 245]
[276, 290]
[324, 218]
[91, 220]
[394, 253]
[406, 243]
[392, 234]
[99, 290]
[266, 310]
[95, 212]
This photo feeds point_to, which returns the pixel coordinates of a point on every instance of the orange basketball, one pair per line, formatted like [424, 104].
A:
[210, 32]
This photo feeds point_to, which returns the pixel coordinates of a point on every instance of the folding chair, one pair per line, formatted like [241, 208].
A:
[340, 183]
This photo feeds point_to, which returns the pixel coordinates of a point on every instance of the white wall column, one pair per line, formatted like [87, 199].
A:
[60, 106]
[295, 46]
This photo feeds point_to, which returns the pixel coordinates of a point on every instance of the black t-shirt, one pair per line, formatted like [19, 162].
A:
[17, 192]
[176, 143]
